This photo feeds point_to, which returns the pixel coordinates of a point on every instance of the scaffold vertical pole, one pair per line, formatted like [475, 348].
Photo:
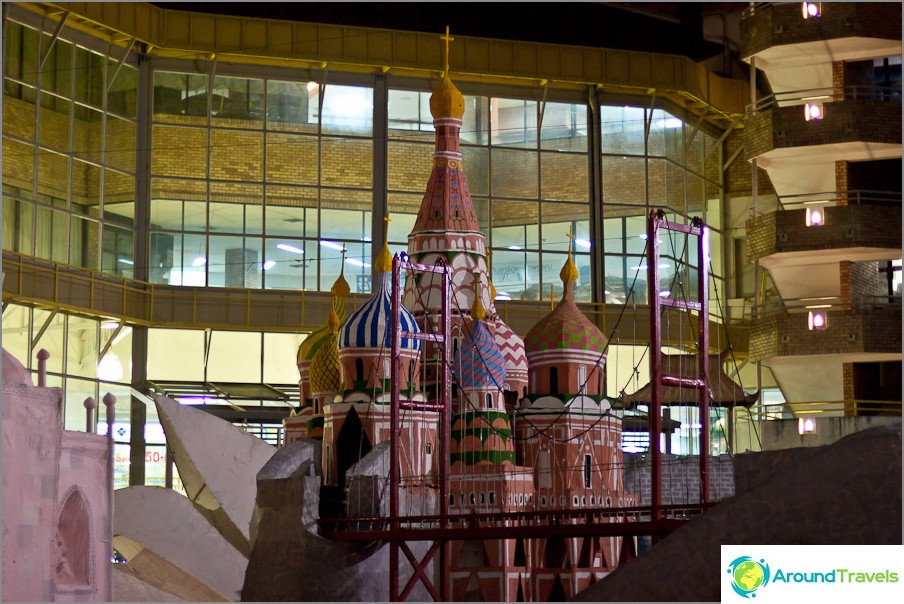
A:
[395, 430]
[703, 353]
[655, 410]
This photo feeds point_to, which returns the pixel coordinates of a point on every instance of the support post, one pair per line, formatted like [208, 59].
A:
[703, 354]
[110, 402]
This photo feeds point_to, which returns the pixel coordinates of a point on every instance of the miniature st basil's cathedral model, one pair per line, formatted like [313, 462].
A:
[531, 429]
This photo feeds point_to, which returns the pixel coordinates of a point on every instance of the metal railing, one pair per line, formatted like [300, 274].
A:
[831, 94]
[833, 198]
[857, 302]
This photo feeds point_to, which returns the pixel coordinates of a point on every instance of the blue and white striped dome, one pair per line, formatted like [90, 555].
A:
[366, 327]
[479, 362]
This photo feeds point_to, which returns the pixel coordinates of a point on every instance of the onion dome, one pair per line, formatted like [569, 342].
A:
[566, 327]
[447, 100]
[367, 326]
[511, 347]
[479, 362]
[315, 340]
[325, 364]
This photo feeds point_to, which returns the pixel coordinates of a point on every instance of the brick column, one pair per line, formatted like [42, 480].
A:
[850, 406]
[838, 81]
[846, 289]
[841, 182]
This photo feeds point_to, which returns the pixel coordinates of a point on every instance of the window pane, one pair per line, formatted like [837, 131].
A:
[564, 127]
[18, 164]
[226, 366]
[279, 357]
[564, 176]
[19, 110]
[119, 195]
[345, 215]
[409, 166]
[89, 85]
[667, 136]
[292, 158]
[290, 264]
[121, 144]
[622, 129]
[476, 121]
[88, 131]
[347, 110]
[409, 115]
[403, 209]
[85, 184]
[54, 121]
[347, 162]
[562, 219]
[84, 243]
[515, 225]
[56, 73]
[234, 262]
[236, 155]
[514, 122]
[175, 354]
[291, 211]
[237, 102]
[515, 173]
[51, 340]
[178, 151]
[180, 94]
[476, 169]
[123, 95]
[292, 105]
[74, 413]
[15, 332]
[623, 180]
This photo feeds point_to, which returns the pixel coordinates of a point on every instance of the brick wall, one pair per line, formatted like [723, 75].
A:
[779, 24]
[870, 330]
[860, 120]
[863, 225]
[680, 478]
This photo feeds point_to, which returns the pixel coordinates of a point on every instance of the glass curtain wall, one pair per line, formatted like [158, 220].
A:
[527, 168]
[652, 159]
[258, 183]
[69, 149]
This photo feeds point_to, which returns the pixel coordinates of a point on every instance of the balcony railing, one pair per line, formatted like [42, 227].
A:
[882, 94]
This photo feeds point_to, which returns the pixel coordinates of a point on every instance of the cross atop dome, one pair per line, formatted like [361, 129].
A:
[446, 100]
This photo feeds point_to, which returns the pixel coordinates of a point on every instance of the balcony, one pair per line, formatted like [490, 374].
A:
[825, 125]
[863, 329]
[843, 31]
[866, 228]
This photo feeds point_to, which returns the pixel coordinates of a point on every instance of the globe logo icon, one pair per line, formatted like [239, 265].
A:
[748, 575]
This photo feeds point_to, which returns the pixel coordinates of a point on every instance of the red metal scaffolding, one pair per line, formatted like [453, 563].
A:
[439, 530]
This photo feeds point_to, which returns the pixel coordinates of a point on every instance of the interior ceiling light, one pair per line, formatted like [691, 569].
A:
[269, 264]
[199, 261]
[811, 10]
[289, 248]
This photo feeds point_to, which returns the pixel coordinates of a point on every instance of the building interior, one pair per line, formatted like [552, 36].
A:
[183, 184]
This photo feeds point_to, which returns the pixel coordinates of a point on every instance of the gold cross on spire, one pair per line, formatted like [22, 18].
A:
[343, 252]
[447, 38]
[571, 237]
[552, 297]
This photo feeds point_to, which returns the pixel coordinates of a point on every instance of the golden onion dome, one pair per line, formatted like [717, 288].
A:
[447, 100]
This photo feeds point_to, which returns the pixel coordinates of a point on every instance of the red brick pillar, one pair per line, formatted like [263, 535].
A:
[841, 182]
[850, 404]
[838, 81]
[846, 290]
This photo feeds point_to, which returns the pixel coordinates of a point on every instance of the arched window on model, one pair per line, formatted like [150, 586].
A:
[359, 370]
[553, 380]
[587, 471]
[489, 399]
[582, 379]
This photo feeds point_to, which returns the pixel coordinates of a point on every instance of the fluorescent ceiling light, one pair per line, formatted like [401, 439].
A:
[289, 248]
[269, 264]
[125, 261]
[199, 261]
[330, 244]
[583, 243]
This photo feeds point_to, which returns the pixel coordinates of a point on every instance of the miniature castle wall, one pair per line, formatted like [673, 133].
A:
[56, 499]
